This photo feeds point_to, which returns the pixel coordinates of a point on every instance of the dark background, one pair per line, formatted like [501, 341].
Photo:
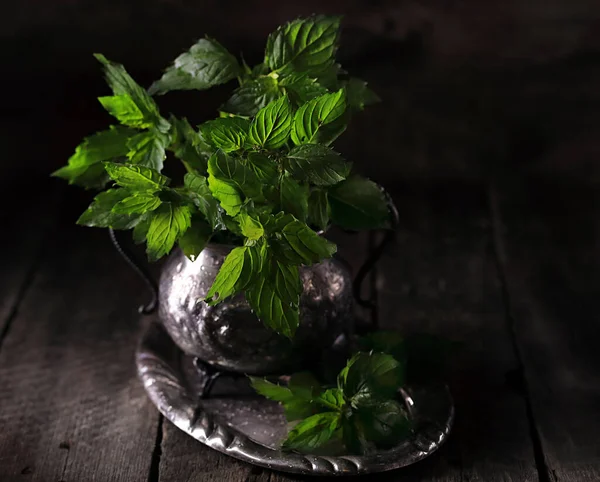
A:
[471, 89]
[488, 138]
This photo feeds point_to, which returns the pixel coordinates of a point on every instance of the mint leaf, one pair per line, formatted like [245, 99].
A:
[99, 213]
[313, 432]
[358, 203]
[286, 280]
[203, 199]
[189, 146]
[318, 209]
[205, 65]
[168, 224]
[271, 127]
[272, 391]
[359, 95]
[264, 168]
[125, 110]
[317, 164]
[296, 400]
[139, 203]
[371, 376]
[302, 88]
[238, 270]
[304, 385]
[301, 245]
[280, 314]
[385, 341]
[252, 96]
[121, 83]
[250, 227]
[85, 166]
[195, 238]
[229, 179]
[148, 149]
[332, 398]
[311, 117]
[303, 45]
[136, 178]
[141, 228]
[228, 133]
[294, 198]
[383, 423]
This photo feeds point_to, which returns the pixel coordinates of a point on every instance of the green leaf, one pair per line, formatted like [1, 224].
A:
[385, 341]
[252, 96]
[294, 198]
[228, 133]
[85, 166]
[332, 398]
[303, 45]
[371, 376]
[318, 209]
[148, 149]
[238, 270]
[302, 88]
[304, 245]
[272, 391]
[205, 65]
[168, 224]
[359, 95]
[311, 117]
[304, 385]
[203, 199]
[286, 280]
[264, 168]
[358, 203]
[282, 315]
[317, 164]
[139, 203]
[383, 423]
[125, 110]
[251, 228]
[100, 213]
[229, 179]
[141, 228]
[136, 178]
[188, 146]
[121, 83]
[271, 127]
[313, 432]
[196, 237]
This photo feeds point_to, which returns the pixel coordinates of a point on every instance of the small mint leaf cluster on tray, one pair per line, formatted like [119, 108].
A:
[262, 177]
[358, 416]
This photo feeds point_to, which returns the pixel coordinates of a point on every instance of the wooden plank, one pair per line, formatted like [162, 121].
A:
[441, 278]
[21, 254]
[72, 407]
[549, 239]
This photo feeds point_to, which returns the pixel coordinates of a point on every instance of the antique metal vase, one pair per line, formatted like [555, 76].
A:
[230, 337]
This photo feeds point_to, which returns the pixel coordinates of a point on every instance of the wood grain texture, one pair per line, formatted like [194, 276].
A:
[21, 248]
[72, 407]
[549, 240]
[440, 278]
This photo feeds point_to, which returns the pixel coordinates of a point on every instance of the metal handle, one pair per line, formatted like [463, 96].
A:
[150, 307]
[376, 254]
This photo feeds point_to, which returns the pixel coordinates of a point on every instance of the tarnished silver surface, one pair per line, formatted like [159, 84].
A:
[230, 336]
[239, 423]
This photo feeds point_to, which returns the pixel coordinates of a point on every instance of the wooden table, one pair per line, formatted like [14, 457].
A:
[512, 272]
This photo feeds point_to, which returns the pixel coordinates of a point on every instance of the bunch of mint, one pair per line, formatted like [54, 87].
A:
[361, 414]
[263, 172]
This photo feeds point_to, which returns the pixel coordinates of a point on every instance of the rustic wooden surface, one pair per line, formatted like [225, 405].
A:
[511, 273]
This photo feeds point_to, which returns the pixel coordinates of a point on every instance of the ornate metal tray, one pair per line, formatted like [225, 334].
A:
[241, 424]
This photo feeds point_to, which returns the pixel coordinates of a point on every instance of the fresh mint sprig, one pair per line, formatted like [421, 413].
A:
[263, 174]
[362, 412]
